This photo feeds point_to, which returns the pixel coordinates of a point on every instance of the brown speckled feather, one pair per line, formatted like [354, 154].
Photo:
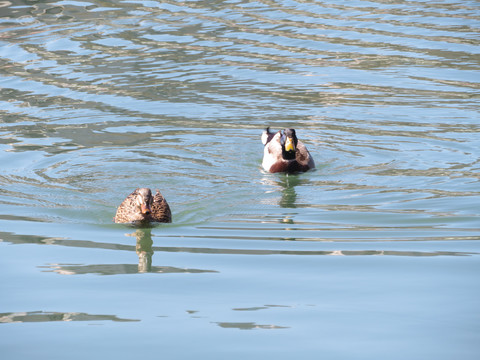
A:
[130, 210]
[160, 209]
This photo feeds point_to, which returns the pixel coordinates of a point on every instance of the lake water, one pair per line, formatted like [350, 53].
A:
[373, 255]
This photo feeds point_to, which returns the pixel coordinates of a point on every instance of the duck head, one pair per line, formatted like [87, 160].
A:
[144, 201]
[289, 142]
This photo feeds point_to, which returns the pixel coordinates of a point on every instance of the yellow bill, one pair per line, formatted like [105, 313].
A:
[289, 145]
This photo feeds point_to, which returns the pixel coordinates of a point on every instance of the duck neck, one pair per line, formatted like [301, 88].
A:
[288, 155]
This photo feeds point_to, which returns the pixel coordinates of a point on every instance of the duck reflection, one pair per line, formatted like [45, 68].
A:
[289, 194]
[286, 183]
[144, 249]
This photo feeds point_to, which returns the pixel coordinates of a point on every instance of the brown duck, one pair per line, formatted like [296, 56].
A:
[283, 152]
[141, 207]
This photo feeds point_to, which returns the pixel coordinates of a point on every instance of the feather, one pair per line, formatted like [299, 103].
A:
[141, 207]
[283, 152]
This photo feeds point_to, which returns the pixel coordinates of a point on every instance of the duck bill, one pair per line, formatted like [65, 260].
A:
[289, 144]
[145, 209]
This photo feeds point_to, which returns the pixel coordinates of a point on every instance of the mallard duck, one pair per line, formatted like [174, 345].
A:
[141, 207]
[283, 152]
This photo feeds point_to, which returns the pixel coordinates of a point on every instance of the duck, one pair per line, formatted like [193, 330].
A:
[283, 152]
[140, 207]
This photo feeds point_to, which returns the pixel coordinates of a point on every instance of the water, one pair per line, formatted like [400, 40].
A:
[373, 255]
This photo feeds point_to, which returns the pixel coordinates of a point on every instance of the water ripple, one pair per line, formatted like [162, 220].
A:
[98, 98]
[370, 249]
